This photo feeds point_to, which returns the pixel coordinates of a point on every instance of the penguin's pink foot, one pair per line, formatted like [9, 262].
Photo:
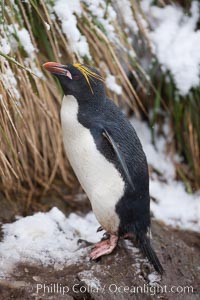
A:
[104, 247]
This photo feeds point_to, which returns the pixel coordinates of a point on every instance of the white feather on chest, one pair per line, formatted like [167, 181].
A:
[99, 178]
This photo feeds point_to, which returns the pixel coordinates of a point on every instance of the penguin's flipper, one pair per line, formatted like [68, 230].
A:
[119, 156]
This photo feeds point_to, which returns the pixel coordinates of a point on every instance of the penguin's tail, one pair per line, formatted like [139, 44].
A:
[146, 248]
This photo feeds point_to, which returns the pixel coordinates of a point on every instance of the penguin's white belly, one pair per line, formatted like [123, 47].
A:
[99, 178]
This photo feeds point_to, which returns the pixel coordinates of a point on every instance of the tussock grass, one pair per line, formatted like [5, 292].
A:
[31, 148]
[183, 111]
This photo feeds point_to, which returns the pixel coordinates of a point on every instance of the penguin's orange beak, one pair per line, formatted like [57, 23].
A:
[57, 69]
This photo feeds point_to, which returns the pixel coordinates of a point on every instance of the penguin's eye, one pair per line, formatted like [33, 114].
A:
[76, 77]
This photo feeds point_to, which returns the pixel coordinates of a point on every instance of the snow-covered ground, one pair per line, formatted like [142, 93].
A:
[51, 238]
[46, 238]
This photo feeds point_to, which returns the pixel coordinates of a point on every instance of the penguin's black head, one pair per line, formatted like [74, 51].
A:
[77, 79]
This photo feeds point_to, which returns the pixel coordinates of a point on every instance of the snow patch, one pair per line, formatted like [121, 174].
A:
[112, 84]
[175, 206]
[66, 13]
[8, 79]
[105, 15]
[176, 42]
[24, 39]
[154, 279]
[125, 9]
[47, 239]
[4, 46]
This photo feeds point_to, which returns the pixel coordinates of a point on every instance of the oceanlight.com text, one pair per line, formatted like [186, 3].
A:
[58, 288]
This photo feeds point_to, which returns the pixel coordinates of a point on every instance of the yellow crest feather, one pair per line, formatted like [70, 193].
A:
[88, 74]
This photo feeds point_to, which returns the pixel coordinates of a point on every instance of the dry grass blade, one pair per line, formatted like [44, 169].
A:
[12, 60]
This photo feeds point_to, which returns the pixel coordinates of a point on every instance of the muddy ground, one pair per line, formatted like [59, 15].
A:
[121, 275]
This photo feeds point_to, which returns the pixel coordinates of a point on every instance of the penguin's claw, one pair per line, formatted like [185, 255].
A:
[106, 236]
[104, 247]
[100, 228]
[83, 243]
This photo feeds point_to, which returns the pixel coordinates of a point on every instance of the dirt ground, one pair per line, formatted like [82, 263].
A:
[115, 276]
